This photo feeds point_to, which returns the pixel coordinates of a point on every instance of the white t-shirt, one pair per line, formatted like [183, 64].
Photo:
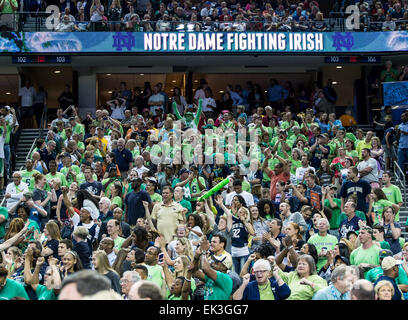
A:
[16, 193]
[157, 98]
[300, 172]
[199, 94]
[96, 16]
[208, 102]
[27, 96]
[118, 113]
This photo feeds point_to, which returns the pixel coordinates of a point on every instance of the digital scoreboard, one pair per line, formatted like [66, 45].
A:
[44, 59]
[352, 59]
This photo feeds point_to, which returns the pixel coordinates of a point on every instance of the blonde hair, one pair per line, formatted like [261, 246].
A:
[383, 283]
[103, 262]
[188, 251]
[81, 232]
[186, 261]
[53, 230]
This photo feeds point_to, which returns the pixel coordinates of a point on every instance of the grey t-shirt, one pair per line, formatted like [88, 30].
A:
[295, 217]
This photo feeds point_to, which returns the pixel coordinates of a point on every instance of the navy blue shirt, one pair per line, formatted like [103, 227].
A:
[390, 138]
[84, 254]
[94, 188]
[318, 155]
[397, 292]
[53, 245]
[360, 188]
[123, 159]
[394, 243]
[134, 205]
[239, 237]
[47, 157]
[346, 226]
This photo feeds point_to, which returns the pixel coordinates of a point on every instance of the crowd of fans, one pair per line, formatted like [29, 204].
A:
[232, 15]
[116, 206]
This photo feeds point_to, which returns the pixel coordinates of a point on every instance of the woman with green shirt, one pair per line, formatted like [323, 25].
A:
[304, 281]
[378, 201]
[116, 196]
[295, 158]
[151, 187]
[351, 150]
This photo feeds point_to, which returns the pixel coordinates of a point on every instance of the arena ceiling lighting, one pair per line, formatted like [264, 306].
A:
[57, 71]
[339, 67]
[8, 92]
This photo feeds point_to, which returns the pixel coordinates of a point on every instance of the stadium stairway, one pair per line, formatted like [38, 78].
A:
[26, 140]
[24, 144]
[34, 24]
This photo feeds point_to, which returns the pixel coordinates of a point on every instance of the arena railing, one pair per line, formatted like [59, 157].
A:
[37, 21]
[400, 177]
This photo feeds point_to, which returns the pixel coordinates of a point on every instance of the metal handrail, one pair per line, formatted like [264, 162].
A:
[398, 173]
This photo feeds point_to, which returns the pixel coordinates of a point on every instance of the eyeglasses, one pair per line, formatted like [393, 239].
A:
[124, 281]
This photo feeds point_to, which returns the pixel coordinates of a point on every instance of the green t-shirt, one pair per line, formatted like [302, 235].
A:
[9, 121]
[156, 197]
[4, 213]
[118, 201]
[350, 136]
[394, 195]
[220, 289]
[80, 178]
[335, 218]
[246, 186]
[187, 189]
[13, 289]
[59, 176]
[359, 214]
[352, 153]
[328, 242]
[195, 188]
[378, 208]
[301, 291]
[390, 76]
[118, 242]
[370, 256]
[295, 164]
[44, 294]
[64, 171]
[385, 245]
[155, 274]
[186, 204]
[373, 275]
[265, 291]
[107, 189]
[27, 177]
[78, 128]
[36, 228]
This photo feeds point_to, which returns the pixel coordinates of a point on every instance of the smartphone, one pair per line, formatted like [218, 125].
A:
[324, 251]
[161, 256]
